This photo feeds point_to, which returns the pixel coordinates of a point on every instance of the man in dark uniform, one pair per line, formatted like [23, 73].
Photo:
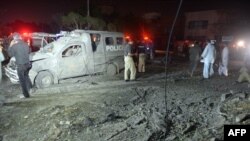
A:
[194, 57]
[20, 50]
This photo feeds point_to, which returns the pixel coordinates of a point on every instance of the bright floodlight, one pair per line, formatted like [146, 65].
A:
[241, 43]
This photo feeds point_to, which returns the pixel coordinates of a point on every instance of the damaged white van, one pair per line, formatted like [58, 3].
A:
[78, 53]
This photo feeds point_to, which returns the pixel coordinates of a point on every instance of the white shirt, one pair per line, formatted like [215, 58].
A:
[209, 53]
[224, 56]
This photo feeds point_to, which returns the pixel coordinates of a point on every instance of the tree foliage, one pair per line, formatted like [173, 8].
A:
[73, 21]
[77, 21]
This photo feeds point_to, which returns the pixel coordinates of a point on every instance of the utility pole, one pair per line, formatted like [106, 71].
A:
[87, 15]
[88, 8]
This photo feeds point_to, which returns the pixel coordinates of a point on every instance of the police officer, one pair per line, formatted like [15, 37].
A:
[20, 50]
[141, 50]
[129, 62]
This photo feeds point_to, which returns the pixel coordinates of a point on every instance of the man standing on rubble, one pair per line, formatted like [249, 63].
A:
[208, 57]
[20, 50]
[194, 57]
[129, 62]
[223, 65]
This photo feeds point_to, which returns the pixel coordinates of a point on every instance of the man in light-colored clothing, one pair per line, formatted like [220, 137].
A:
[208, 57]
[129, 62]
[223, 68]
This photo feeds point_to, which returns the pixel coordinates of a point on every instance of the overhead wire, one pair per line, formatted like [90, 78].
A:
[167, 52]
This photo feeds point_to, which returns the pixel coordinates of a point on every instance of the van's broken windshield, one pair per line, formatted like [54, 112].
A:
[47, 48]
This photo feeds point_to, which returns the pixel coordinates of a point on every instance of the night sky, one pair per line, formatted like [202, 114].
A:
[43, 10]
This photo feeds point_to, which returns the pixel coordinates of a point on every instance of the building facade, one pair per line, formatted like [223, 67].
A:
[215, 24]
[201, 25]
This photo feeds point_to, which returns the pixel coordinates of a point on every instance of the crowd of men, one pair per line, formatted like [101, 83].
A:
[208, 57]
[212, 54]
[135, 55]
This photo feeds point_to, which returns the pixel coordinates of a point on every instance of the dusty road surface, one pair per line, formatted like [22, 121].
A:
[103, 108]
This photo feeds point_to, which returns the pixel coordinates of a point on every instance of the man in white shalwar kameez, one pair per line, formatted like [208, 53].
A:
[208, 57]
[223, 68]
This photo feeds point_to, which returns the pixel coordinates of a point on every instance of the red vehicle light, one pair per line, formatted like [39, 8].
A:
[25, 34]
[127, 37]
[146, 38]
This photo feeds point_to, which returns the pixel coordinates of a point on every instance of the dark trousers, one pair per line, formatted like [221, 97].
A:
[23, 74]
[192, 66]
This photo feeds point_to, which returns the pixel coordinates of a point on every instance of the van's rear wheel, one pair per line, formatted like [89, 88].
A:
[44, 79]
[111, 70]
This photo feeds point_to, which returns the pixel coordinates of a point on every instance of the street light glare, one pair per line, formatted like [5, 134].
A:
[241, 43]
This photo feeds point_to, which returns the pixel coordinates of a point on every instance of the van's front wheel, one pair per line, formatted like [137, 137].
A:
[44, 79]
[111, 70]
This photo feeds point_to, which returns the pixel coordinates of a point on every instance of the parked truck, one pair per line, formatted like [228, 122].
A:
[78, 53]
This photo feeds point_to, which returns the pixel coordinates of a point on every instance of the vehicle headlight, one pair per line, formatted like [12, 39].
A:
[240, 44]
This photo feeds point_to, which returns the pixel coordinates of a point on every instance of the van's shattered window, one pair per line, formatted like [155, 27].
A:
[37, 43]
[73, 50]
[109, 41]
[48, 48]
[119, 40]
[95, 40]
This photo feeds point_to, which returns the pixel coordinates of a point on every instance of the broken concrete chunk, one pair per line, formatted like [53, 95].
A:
[236, 99]
[189, 128]
[170, 138]
[241, 95]
[2, 100]
[88, 121]
[211, 105]
[135, 120]
[53, 133]
[242, 117]
[225, 96]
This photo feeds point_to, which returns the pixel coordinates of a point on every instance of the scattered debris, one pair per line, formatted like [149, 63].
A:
[103, 109]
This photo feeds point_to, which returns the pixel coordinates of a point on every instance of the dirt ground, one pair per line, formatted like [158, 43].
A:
[100, 108]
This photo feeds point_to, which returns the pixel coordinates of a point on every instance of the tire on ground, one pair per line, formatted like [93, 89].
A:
[44, 79]
[111, 70]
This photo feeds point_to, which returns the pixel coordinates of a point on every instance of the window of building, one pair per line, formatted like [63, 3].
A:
[198, 24]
